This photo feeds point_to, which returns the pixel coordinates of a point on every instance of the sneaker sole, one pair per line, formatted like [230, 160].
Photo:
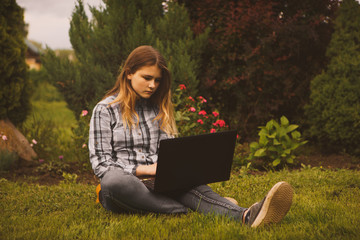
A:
[277, 203]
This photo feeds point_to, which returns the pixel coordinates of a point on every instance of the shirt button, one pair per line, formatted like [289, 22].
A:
[142, 157]
[139, 134]
[140, 150]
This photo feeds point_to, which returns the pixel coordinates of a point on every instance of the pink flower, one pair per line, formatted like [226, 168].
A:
[203, 100]
[215, 114]
[84, 113]
[84, 145]
[41, 160]
[212, 130]
[4, 137]
[200, 121]
[192, 109]
[61, 157]
[31, 145]
[191, 98]
[220, 123]
[237, 136]
[34, 141]
[182, 86]
[202, 112]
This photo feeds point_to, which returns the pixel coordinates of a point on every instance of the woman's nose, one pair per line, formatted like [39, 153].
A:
[152, 84]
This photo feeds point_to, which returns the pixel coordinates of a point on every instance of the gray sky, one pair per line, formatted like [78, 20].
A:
[49, 20]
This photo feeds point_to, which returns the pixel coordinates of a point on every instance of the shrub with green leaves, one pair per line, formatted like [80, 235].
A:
[7, 159]
[81, 139]
[333, 113]
[276, 144]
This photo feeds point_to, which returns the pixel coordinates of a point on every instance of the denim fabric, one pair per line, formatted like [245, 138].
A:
[124, 192]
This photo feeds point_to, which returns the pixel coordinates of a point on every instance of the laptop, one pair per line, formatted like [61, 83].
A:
[186, 162]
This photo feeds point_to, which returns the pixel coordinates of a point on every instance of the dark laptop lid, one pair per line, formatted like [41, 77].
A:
[191, 161]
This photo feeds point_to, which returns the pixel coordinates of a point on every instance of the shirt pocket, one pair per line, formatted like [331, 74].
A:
[119, 138]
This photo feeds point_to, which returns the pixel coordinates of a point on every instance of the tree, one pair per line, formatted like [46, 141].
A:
[103, 43]
[261, 55]
[14, 82]
[334, 110]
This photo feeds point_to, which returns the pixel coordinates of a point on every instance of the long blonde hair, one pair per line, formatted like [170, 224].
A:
[127, 97]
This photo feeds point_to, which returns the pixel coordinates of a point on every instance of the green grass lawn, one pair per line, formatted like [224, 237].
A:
[325, 206]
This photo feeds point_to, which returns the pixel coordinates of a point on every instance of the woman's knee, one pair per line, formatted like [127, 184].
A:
[119, 182]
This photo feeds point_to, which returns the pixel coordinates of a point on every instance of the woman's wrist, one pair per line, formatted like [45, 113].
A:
[149, 170]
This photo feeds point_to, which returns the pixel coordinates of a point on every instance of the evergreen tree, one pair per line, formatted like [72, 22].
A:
[334, 111]
[103, 43]
[14, 82]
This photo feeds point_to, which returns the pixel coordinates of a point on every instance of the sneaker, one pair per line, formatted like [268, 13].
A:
[273, 208]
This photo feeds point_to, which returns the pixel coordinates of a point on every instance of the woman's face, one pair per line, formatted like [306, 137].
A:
[145, 80]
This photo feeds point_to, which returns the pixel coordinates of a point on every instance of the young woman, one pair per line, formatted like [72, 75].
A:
[125, 130]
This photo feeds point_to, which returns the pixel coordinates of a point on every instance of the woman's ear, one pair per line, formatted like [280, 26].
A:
[128, 74]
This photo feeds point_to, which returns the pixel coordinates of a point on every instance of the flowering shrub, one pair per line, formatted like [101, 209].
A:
[191, 115]
[44, 137]
[81, 138]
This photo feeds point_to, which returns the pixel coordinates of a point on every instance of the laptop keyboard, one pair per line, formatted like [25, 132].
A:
[149, 183]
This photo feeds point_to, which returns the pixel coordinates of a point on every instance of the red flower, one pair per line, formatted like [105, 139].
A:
[215, 114]
[200, 121]
[190, 98]
[182, 86]
[212, 130]
[202, 99]
[220, 123]
[192, 109]
[84, 113]
[202, 112]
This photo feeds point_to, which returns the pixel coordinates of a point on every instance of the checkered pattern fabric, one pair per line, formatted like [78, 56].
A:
[113, 146]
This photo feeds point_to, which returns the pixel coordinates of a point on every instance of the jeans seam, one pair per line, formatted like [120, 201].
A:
[210, 200]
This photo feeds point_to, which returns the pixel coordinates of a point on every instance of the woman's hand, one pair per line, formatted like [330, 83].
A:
[149, 170]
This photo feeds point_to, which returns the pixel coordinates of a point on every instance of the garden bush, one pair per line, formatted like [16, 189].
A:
[276, 144]
[7, 159]
[261, 56]
[334, 110]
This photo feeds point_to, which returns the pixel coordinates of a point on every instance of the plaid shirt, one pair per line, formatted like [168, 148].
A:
[112, 146]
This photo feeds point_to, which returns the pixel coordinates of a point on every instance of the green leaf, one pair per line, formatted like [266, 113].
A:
[263, 141]
[287, 151]
[284, 121]
[295, 135]
[269, 124]
[276, 125]
[276, 162]
[260, 152]
[276, 142]
[291, 128]
[290, 160]
[271, 135]
[281, 132]
[254, 145]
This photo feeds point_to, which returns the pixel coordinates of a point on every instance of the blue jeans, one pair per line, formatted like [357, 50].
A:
[124, 192]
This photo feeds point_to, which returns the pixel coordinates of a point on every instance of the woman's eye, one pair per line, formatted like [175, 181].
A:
[157, 79]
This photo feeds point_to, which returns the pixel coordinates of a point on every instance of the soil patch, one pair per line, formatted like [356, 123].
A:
[34, 172]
